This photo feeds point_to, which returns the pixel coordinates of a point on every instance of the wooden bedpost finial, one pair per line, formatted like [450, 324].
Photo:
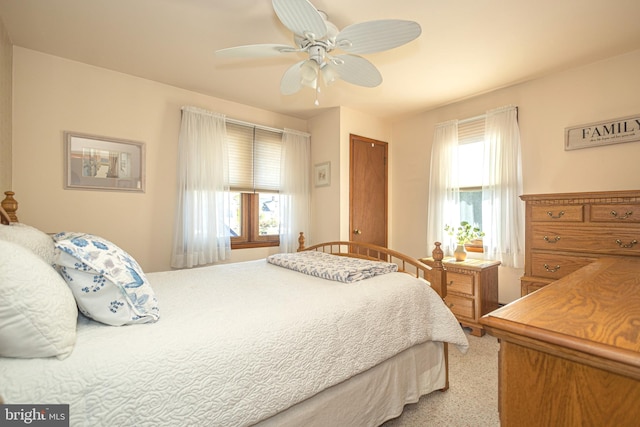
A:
[437, 253]
[10, 205]
[301, 242]
[438, 276]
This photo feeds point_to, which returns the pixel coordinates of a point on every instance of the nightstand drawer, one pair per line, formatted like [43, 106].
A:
[618, 214]
[460, 306]
[558, 213]
[462, 283]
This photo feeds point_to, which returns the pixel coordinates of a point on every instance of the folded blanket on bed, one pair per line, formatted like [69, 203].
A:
[332, 267]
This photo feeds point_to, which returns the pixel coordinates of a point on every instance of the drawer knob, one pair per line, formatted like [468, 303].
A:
[555, 216]
[554, 240]
[629, 245]
[626, 215]
[551, 270]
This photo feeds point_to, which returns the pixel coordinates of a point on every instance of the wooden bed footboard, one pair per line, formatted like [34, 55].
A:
[436, 275]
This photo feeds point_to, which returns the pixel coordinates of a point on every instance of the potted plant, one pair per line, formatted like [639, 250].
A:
[463, 234]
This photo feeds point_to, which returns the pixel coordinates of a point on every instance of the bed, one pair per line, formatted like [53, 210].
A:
[250, 343]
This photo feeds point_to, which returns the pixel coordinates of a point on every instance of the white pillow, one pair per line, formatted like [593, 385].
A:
[108, 283]
[38, 314]
[29, 237]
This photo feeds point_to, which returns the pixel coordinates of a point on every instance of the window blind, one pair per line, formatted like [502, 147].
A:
[471, 152]
[254, 158]
[472, 130]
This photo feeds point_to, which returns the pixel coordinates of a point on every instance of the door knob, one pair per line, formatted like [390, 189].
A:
[356, 231]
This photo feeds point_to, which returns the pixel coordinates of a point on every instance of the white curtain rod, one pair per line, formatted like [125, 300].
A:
[270, 129]
[481, 116]
[241, 123]
[470, 119]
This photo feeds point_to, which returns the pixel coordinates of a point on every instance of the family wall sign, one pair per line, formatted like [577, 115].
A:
[615, 131]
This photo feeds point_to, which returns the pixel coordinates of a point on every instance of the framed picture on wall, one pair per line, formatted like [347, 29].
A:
[322, 174]
[100, 163]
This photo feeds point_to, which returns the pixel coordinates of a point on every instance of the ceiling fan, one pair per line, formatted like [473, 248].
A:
[317, 37]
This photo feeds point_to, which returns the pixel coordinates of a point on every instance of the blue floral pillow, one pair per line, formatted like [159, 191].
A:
[108, 284]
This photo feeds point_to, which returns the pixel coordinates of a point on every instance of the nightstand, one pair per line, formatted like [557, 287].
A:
[472, 289]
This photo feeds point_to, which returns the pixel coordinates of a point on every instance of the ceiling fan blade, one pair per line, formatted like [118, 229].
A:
[301, 18]
[255, 51]
[377, 36]
[291, 81]
[357, 70]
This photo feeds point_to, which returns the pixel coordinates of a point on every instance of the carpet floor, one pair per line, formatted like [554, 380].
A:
[472, 398]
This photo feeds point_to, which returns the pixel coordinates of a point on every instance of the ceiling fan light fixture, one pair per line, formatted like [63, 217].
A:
[309, 73]
[329, 73]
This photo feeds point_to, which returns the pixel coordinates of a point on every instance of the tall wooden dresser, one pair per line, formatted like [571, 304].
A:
[565, 232]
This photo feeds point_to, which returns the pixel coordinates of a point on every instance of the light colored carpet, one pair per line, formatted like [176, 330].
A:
[472, 398]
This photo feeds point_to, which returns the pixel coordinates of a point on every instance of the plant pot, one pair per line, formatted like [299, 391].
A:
[460, 253]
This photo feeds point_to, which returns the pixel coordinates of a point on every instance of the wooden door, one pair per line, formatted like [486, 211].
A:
[368, 190]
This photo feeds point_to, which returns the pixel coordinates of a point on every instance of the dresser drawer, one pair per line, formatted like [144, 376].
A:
[528, 286]
[617, 213]
[462, 283]
[558, 213]
[611, 241]
[555, 266]
[460, 306]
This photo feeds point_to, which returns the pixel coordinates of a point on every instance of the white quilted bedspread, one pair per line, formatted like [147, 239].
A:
[235, 344]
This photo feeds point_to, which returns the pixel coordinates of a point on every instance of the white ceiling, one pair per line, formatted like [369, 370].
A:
[467, 47]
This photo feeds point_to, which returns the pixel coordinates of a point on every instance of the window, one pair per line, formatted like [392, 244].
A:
[470, 161]
[501, 172]
[254, 179]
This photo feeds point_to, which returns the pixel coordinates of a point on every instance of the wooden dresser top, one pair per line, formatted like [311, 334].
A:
[623, 196]
[595, 311]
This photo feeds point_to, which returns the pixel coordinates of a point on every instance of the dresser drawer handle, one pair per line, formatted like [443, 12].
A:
[551, 270]
[557, 216]
[554, 240]
[630, 245]
[625, 216]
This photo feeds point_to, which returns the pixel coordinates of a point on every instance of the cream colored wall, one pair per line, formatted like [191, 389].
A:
[325, 201]
[330, 142]
[6, 64]
[596, 92]
[52, 95]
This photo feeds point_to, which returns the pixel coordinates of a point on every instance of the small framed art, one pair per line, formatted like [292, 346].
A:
[322, 174]
[101, 163]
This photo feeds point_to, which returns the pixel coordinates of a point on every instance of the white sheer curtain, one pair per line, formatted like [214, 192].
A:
[444, 193]
[502, 210]
[201, 232]
[295, 199]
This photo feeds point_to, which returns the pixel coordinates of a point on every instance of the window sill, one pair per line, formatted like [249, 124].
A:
[247, 245]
